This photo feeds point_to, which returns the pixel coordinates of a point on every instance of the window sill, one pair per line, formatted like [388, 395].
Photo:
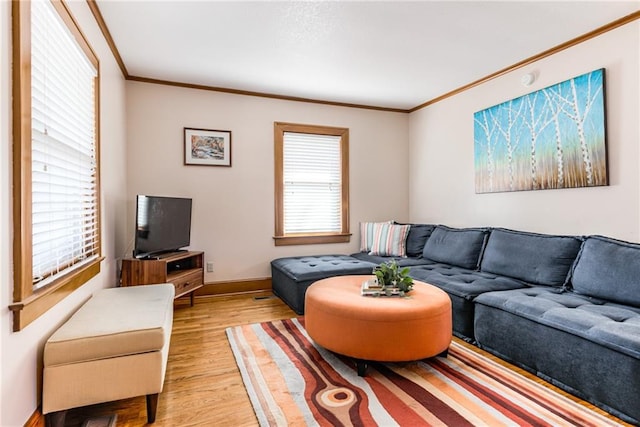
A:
[34, 306]
[311, 239]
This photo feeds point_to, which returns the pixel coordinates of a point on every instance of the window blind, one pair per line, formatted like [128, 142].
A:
[312, 183]
[63, 149]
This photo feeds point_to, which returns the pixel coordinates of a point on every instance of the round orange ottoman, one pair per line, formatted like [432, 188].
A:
[386, 329]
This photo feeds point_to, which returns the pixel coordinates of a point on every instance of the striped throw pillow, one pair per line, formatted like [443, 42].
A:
[390, 240]
[367, 235]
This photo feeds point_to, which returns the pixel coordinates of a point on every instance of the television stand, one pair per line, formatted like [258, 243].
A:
[160, 255]
[185, 269]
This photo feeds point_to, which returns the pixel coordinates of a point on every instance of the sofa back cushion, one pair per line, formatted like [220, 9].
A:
[608, 269]
[533, 258]
[456, 246]
[418, 235]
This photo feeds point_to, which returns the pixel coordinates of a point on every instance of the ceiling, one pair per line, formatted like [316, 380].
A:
[391, 54]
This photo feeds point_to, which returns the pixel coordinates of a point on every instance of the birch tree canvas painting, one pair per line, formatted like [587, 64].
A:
[552, 138]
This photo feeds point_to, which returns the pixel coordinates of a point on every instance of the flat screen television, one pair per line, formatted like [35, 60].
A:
[163, 224]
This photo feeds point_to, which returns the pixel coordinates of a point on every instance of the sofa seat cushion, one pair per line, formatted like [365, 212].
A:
[608, 269]
[611, 325]
[462, 282]
[534, 258]
[402, 261]
[462, 285]
[461, 247]
[132, 320]
[304, 268]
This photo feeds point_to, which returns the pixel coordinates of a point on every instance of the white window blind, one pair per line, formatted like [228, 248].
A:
[312, 183]
[63, 169]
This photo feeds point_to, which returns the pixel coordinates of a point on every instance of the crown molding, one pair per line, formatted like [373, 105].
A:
[93, 6]
[559, 48]
[263, 94]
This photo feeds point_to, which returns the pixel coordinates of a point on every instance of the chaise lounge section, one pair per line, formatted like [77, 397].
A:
[292, 276]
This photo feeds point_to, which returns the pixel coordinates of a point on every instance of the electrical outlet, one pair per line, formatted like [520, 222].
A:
[209, 267]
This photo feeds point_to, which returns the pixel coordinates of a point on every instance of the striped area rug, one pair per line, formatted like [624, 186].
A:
[292, 382]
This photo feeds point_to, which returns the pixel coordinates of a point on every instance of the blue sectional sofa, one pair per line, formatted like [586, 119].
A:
[566, 308]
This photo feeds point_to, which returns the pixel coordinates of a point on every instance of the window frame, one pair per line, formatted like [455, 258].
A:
[29, 304]
[283, 239]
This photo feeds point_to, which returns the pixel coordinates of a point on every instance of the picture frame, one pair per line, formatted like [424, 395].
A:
[552, 138]
[207, 147]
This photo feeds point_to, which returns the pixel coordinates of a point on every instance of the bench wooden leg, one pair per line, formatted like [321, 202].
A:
[55, 419]
[152, 406]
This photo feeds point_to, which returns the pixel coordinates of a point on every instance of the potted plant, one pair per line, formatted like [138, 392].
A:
[392, 278]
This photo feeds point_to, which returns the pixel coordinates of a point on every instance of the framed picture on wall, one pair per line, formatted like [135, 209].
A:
[551, 138]
[207, 147]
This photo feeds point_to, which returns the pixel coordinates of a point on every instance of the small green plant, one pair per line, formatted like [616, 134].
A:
[390, 275]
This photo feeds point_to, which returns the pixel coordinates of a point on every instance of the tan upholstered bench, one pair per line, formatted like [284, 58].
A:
[114, 347]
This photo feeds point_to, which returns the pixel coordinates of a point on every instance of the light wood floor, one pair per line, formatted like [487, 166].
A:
[203, 386]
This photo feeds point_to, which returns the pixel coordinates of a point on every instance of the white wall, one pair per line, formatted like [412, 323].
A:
[442, 188]
[233, 208]
[21, 352]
